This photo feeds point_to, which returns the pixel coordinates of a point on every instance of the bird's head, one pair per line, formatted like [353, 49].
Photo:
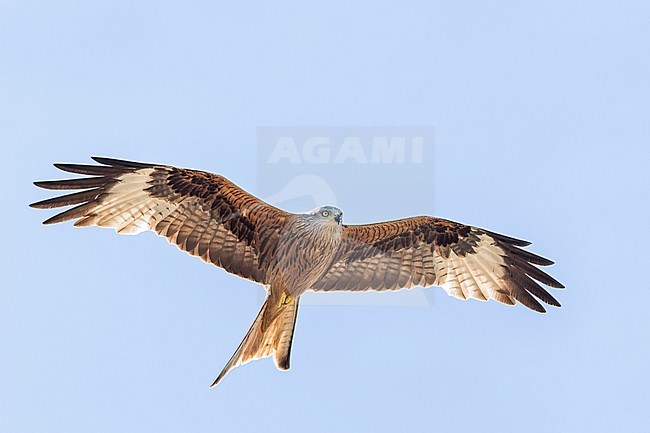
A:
[328, 214]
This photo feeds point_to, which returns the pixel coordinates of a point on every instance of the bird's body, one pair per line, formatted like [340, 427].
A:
[305, 251]
[208, 216]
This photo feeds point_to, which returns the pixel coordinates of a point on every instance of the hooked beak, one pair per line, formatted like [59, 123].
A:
[338, 218]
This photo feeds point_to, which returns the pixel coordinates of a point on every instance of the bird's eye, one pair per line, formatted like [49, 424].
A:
[325, 213]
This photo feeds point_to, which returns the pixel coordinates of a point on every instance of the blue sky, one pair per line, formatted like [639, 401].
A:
[540, 113]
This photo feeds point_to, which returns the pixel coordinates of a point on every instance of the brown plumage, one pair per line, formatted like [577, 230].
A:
[208, 216]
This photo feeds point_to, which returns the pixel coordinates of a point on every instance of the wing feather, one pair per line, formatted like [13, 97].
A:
[467, 262]
[82, 183]
[68, 199]
[204, 214]
[91, 170]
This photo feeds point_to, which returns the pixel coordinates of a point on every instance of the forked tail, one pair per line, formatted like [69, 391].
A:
[270, 334]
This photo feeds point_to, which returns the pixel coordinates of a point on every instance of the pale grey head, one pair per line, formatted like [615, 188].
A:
[327, 214]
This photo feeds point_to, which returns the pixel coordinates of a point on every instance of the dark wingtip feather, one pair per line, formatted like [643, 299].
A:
[73, 213]
[537, 307]
[508, 239]
[548, 280]
[525, 282]
[67, 200]
[120, 162]
[81, 183]
[536, 273]
[527, 255]
[92, 170]
[528, 300]
[52, 220]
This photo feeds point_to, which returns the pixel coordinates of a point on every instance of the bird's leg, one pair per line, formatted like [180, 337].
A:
[285, 299]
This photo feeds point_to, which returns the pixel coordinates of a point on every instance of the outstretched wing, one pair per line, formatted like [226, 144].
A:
[202, 213]
[467, 262]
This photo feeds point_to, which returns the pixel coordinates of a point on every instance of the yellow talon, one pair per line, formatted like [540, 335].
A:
[285, 299]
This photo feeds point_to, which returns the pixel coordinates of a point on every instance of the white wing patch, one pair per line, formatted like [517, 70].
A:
[127, 207]
[475, 276]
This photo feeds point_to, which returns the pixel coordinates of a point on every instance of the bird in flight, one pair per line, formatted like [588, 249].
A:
[210, 217]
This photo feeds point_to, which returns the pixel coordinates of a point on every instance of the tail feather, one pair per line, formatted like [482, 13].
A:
[271, 334]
